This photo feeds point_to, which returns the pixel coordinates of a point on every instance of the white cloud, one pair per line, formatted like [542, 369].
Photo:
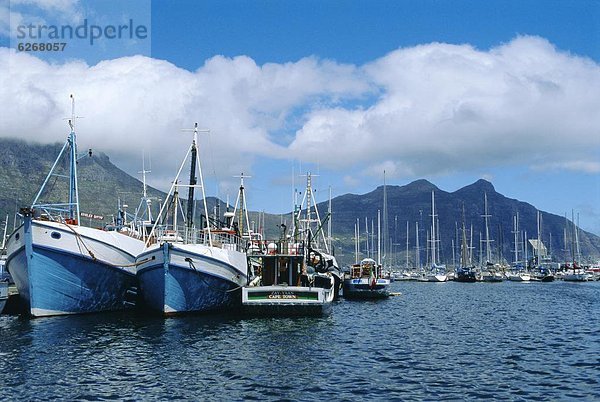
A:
[136, 103]
[439, 108]
[446, 108]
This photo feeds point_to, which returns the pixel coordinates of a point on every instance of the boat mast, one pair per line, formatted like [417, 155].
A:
[385, 222]
[240, 206]
[356, 241]
[73, 206]
[417, 251]
[329, 238]
[190, 202]
[463, 246]
[175, 184]
[367, 236]
[488, 251]
[539, 239]
[378, 238]
[516, 234]
[433, 236]
[407, 253]
[471, 248]
[576, 229]
[73, 187]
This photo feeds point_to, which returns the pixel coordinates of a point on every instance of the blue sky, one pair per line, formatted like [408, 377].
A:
[344, 89]
[360, 31]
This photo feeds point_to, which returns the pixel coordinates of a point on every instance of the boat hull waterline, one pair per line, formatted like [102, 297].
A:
[278, 300]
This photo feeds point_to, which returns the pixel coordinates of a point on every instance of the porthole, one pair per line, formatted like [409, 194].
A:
[55, 235]
[17, 236]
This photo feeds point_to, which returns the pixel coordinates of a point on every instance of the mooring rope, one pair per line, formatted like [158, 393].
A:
[80, 239]
[189, 261]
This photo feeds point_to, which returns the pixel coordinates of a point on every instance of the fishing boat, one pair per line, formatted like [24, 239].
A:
[290, 281]
[60, 267]
[296, 275]
[185, 268]
[365, 281]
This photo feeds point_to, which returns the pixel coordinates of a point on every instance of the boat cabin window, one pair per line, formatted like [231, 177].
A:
[279, 270]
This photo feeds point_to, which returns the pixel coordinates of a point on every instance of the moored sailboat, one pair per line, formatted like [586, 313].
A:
[489, 271]
[519, 272]
[466, 270]
[437, 272]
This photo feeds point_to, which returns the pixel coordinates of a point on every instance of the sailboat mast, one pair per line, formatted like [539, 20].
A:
[433, 236]
[385, 222]
[463, 246]
[378, 238]
[407, 253]
[488, 251]
[539, 239]
[516, 235]
[417, 251]
[329, 224]
[356, 242]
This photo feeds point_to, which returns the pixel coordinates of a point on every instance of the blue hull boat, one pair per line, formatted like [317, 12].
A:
[178, 278]
[54, 276]
[60, 267]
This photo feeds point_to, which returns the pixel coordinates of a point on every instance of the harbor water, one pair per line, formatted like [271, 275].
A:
[446, 341]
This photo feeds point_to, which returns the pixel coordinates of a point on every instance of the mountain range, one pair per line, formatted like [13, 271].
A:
[103, 187]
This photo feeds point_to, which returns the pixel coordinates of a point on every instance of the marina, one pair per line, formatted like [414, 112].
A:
[227, 200]
[180, 263]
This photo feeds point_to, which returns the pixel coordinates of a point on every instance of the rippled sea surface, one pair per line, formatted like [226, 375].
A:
[451, 341]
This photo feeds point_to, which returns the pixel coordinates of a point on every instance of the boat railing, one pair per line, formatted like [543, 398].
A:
[271, 247]
[225, 239]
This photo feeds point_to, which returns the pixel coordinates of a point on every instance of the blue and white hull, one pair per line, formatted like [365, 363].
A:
[366, 288]
[182, 278]
[60, 269]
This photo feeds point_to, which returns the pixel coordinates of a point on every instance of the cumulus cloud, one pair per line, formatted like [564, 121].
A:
[138, 103]
[446, 108]
[419, 111]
